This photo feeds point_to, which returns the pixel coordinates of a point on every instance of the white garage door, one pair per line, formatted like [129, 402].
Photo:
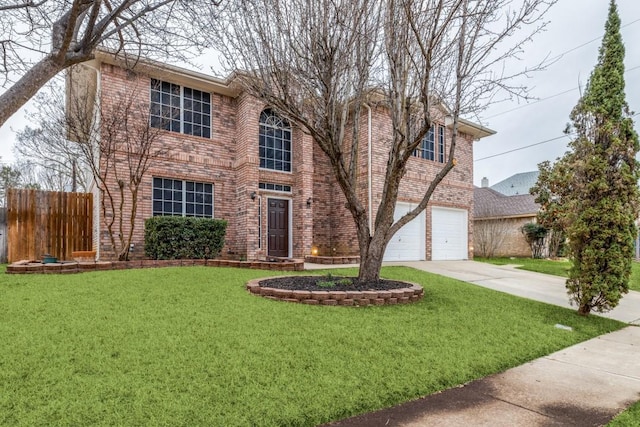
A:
[408, 244]
[450, 236]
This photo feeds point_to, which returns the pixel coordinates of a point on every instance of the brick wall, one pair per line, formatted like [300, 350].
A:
[229, 160]
[334, 229]
[513, 243]
[184, 157]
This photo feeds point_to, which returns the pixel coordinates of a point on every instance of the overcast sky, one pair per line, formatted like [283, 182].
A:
[573, 24]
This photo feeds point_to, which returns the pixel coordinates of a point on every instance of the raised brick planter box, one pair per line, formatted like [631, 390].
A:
[27, 266]
[411, 293]
[332, 259]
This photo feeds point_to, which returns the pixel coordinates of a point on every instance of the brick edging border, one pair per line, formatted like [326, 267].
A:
[79, 267]
[406, 295]
[314, 259]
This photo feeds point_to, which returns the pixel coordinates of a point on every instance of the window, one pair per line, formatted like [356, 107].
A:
[274, 187]
[427, 148]
[182, 198]
[275, 142]
[441, 155]
[180, 109]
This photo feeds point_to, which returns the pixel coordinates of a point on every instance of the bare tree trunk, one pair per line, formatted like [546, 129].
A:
[371, 259]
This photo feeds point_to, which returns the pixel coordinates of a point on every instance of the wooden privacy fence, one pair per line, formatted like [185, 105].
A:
[48, 222]
[3, 235]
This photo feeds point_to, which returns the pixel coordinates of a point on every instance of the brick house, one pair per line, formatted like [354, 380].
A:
[229, 156]
[498, 219]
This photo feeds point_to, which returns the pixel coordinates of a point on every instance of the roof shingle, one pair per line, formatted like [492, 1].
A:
[489, 203]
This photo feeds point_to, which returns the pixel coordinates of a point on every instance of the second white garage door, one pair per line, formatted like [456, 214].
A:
[449, 234]
[408, 244]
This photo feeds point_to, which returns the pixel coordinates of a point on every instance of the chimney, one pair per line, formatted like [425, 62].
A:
[485, 182]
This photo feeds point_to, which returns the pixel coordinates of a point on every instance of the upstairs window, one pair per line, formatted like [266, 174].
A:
[274, 142]
[180, 109]
[427, 148]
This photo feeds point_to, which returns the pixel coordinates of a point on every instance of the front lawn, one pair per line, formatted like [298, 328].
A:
[629, 418]
[190, 346]
[556, 267]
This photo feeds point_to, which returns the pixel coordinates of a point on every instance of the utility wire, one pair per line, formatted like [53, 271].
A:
[559, 56]
[532, 145]
[521, 148]
[547, 98]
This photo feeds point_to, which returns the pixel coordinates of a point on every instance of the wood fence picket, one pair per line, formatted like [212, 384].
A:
[48, 222]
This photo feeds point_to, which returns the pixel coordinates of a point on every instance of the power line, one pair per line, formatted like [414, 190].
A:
[547, 97]
[521, 148]
[559, 56]
[533, 145]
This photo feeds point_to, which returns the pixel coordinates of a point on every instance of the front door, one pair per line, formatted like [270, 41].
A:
[278, 228]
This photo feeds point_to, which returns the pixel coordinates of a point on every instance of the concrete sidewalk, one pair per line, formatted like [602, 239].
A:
[584, 385]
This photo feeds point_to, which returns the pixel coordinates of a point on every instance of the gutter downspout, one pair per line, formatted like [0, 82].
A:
[369, 169]
[96, 203]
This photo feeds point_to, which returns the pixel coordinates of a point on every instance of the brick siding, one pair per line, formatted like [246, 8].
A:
[229, 160]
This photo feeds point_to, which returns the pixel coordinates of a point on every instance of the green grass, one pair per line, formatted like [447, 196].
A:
[556, 267]
[190, 346]
[629, 418]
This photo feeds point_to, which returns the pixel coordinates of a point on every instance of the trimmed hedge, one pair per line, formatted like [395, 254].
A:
[176, 237]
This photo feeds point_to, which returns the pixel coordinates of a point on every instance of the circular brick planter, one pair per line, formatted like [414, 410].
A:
[406, 295]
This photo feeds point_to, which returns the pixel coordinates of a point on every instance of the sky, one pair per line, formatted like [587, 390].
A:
[574, 34]
[573, 24]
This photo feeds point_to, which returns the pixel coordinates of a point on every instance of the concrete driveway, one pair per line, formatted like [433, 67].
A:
[526, 284]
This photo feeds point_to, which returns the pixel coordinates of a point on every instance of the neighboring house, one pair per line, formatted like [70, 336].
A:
[517, 184]
[497, 220]
[229, 156]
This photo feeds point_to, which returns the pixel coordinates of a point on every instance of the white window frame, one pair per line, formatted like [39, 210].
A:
[182, 110]
[184, 198]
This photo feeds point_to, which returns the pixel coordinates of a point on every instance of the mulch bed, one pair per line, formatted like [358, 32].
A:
[310, 283]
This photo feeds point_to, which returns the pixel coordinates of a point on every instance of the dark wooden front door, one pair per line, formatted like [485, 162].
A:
[278, 227]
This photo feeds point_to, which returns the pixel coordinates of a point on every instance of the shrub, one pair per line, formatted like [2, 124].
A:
[535, 235]
[175, 237]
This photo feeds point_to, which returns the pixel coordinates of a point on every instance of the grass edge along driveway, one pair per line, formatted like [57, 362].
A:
[190, 346]
[555, 267]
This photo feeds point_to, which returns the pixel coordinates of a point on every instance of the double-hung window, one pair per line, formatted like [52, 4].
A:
[176, 197]
[274, 142]
[427, 148]
[180, 109]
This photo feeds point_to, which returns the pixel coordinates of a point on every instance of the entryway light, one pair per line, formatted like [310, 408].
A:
[253, 195]
[309, 200]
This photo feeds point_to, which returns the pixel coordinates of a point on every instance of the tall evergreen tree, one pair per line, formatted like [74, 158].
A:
[603, 174]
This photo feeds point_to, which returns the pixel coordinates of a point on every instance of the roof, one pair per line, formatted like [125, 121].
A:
[230, 87]
[488, 203]
[519, 183]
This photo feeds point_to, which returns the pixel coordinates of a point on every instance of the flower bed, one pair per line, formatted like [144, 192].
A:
[29, 266]
[411, 293]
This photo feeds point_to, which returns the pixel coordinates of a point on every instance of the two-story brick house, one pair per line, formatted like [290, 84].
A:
[229, 156]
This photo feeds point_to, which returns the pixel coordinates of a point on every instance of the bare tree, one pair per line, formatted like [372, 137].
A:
[320, 63]
[489, 235]
[117, 144]
[41, 38]
[54, 162]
